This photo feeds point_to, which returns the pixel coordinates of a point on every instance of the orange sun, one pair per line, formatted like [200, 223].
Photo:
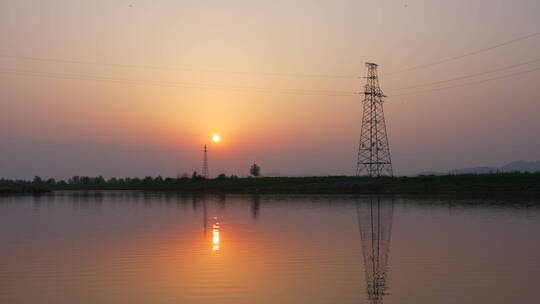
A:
[216, 138]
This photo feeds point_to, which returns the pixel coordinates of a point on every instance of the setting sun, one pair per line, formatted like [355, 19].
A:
[216, 138]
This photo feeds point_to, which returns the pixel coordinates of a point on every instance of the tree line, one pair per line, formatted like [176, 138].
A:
[53, 183]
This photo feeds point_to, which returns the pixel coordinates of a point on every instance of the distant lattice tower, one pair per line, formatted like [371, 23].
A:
[205, 163]
[373, 151]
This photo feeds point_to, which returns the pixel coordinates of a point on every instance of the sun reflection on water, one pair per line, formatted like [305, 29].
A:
[215, 235]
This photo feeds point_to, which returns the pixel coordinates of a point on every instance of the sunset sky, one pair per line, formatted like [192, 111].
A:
[137, 87]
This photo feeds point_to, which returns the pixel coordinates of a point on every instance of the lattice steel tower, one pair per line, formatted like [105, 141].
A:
[205, 163]
[373, 151]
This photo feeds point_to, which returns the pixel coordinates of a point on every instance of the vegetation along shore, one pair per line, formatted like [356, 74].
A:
[464, 184]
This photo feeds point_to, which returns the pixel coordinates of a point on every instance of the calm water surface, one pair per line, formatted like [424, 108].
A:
[132, 247]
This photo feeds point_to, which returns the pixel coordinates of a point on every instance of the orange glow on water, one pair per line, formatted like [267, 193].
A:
[215, 236]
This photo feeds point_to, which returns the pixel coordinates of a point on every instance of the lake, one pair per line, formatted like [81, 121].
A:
[136, 247]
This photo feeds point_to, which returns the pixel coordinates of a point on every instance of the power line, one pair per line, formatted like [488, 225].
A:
[467, 76]
[476, 52]
[171, 84]
[472, 83]
[166, 68]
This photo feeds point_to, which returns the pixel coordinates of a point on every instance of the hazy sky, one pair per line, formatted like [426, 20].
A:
[137, 87]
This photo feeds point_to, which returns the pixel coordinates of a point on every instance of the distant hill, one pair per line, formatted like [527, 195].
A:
[522, 166]
[516, 166]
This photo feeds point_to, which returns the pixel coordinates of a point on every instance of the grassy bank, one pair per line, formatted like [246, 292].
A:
[22, 188]
[467, 184]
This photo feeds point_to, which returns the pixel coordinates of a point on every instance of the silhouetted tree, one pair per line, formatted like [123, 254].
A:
[74, 180]
[255, 170]
[184, 175]
[221, 176]
[99, 180]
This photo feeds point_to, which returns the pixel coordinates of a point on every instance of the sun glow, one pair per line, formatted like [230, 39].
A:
[215, 236]
[216, 138]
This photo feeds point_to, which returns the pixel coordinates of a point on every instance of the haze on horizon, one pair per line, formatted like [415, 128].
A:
[137, 87]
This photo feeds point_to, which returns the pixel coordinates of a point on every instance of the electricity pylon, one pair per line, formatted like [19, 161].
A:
[205, 163]
[373, 151]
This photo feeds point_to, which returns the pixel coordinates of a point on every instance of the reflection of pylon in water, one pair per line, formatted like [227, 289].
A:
[375, 225]
[205, 217]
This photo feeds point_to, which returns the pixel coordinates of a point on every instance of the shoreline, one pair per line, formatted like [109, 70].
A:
[504, 184]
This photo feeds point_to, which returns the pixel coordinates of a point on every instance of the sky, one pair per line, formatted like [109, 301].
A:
[137, 87]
